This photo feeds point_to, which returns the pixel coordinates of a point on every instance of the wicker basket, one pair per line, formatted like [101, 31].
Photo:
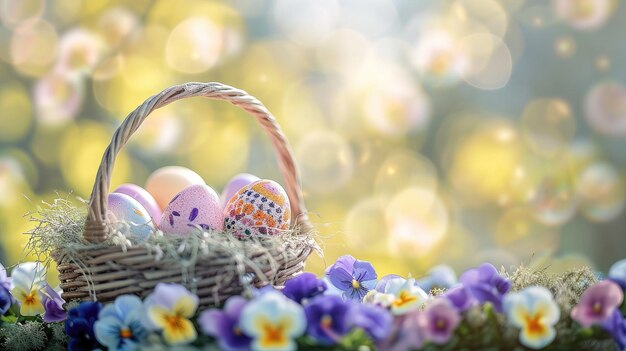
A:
[106, 272]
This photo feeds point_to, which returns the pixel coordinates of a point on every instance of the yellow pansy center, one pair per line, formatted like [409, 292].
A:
[126, 333]
[30, 299]
[403, 298]
[440, 324]
[534, 324]
[273, 335]
[174, 322]
[597, 307]
[326, 322]
[356, 284]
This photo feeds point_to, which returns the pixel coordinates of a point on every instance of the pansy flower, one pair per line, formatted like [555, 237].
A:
[616, 326]
[224, 325]
[353, 277]
[28, 281]
[119, 324]
[442, 277]
[169, 309]
[328, 318]
[439, 321]
[273, 321]
[374, 320]
[597, 303]
[79, 326]
[407, 295]
[535, 312]
[485, 284]
[53, 304]
[303, 287]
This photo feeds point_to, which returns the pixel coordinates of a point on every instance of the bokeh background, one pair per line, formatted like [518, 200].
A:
[426, 131]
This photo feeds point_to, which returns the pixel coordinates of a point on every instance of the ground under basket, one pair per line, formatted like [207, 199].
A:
[104, 272]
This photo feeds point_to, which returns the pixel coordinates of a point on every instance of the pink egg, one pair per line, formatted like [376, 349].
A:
[260, 208]
[143, 197]
[198, 206]
[236, 183]
[123, 208]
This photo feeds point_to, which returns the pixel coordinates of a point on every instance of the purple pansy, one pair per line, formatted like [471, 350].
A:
[79, 326]
[53, 304]
[328, 318]
[616, 326]
[485, 284]
[374, 320]
[224, 325]
[304, 286]
[597, 303]
[5, 280]
[439, 321]
[353, 277]
[440, 276]
[6, 300]
[460, 298]
[406, 334]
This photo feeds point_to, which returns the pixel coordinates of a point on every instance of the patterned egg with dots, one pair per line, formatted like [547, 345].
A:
[195, 208]
[261, 208]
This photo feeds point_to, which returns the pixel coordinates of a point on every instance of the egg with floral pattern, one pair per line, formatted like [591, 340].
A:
[261, 208]
[195, 208]
[123, 208]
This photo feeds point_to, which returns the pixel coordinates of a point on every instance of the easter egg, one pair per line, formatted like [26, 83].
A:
[123, 208]
[164, 183]
[197, 206]
[260, 208]
[236, 183]
[143, 197]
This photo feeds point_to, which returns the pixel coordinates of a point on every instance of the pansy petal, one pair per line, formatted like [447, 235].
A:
[364, 270]
[107, 331]
[183, 334]
[186, 306]
[536, 340]
[158, 316]
[345, 262]
[340, 278]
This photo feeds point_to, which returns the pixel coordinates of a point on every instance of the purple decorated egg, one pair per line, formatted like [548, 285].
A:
[260, 208]
[123, 208]
[164, 183]
[236, 183]
[196, 207]
[143, 197]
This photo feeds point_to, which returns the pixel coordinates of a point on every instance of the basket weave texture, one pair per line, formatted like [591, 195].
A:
[216, 271]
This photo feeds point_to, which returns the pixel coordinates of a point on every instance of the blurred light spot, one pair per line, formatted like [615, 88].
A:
[33, 47]
[302, 112]
[438, 57]
[498, 257]
[583, 14]
[487, 13]
[79, 50]
[344, 51]
[307, 23]
[403, 170]
[221, 150]
[554, 199]
[193, 46]
[326, 161]
[58, 98]
[603, 63]
[66, 11]
[548, 126]
[490, 60]
[11, 180]
[537, 15]
[417, 221]
[159, 133]
[605, 108]
[484, 163]
[366, 229]
[565, 47]
[46, 143]
[15, 115]
[14, 12]
[116, 24]
[601, 190]
[518, 232]
[108, 67]
[396, 108]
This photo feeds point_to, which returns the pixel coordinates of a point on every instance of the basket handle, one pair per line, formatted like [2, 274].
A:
[96, 229]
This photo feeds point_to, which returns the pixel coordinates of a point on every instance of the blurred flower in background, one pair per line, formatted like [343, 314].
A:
[427, 132]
